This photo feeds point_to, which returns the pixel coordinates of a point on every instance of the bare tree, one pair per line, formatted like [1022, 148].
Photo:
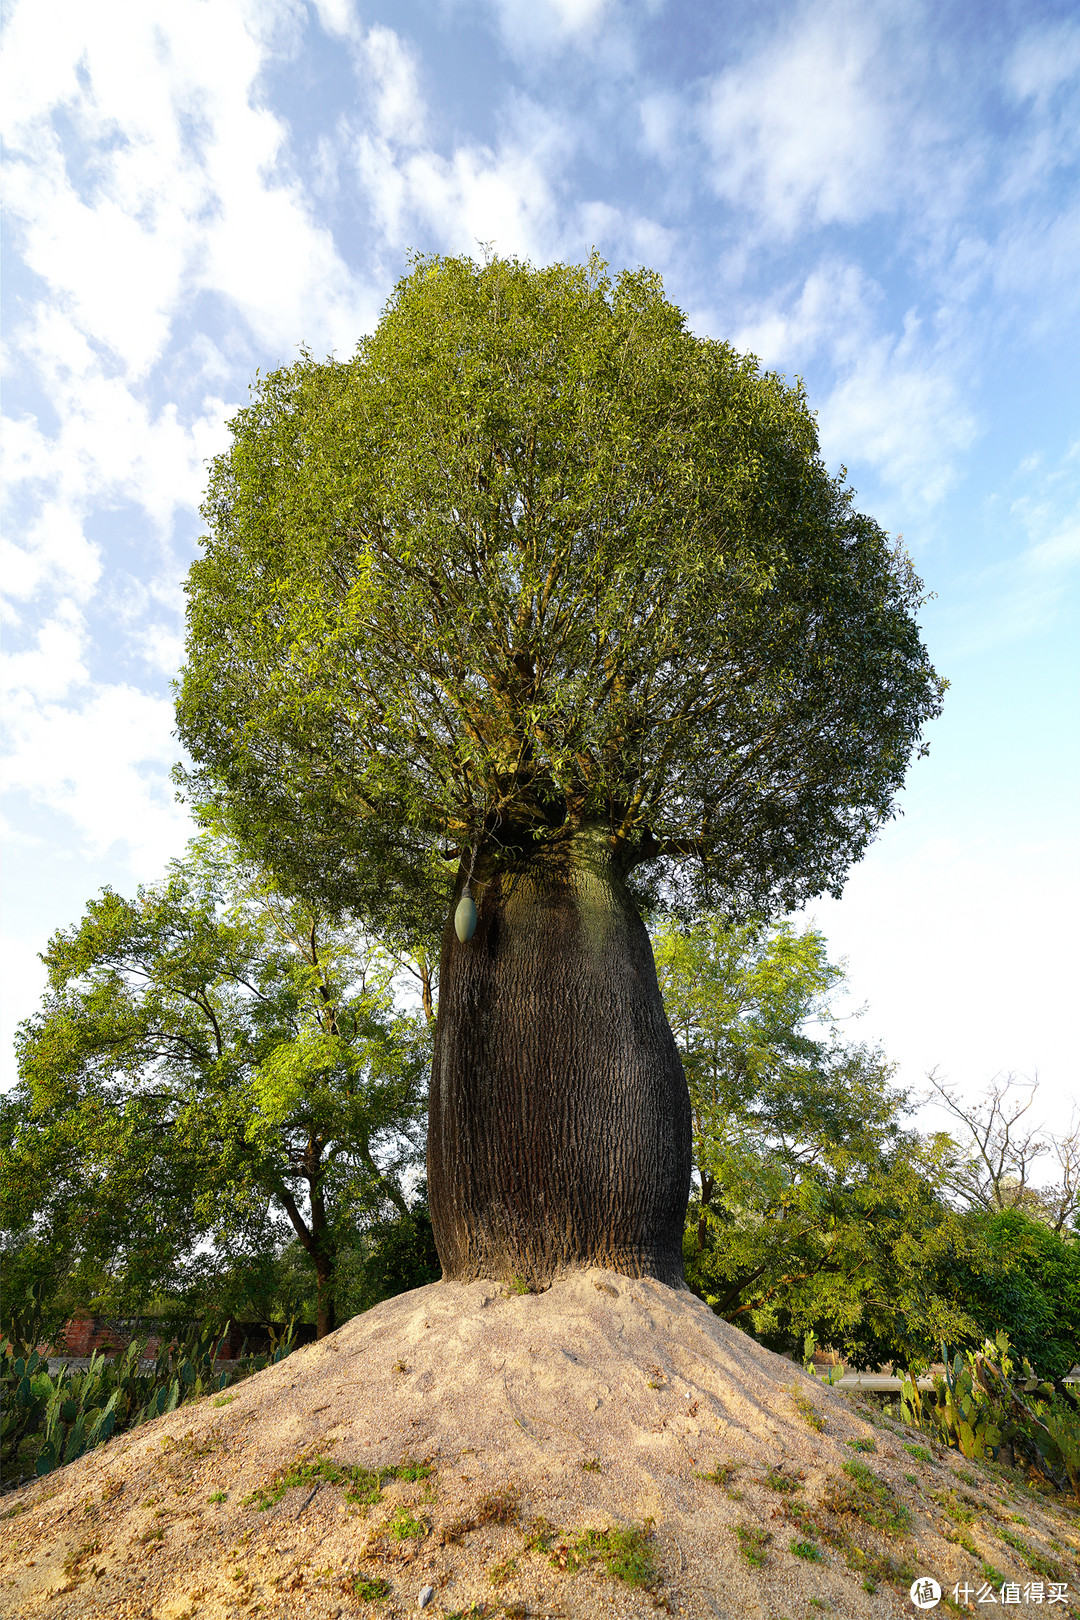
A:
[1003, 1146]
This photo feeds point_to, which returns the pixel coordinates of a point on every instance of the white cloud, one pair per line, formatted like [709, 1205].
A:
[1043, 60]
[477, 194]
[804, 132]
[173, 181]
[338, 18]
[1025, 592]
[663, 116]
[898, 409]
[543, 25]
[399, 112]
[55, 664]
[103, 763]
[895, 404]
[142, 173]
[54, 550]
[108, 447]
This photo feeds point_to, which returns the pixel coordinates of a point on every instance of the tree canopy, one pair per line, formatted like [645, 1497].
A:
[537, 557]
[215, 1069]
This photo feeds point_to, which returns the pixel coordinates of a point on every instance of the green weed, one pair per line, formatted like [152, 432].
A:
[783, 1479]
[370, 1591]
[625, 1553]
[404, 1527]
[808, 1550]
[364, 1484]
[807, 1410]
[870, 1499]
[752, 1543]
[501, 1572]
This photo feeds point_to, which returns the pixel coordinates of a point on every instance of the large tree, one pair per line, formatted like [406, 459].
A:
[542, 604]
[215, 1068]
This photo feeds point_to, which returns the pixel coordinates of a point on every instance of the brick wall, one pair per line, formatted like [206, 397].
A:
[84, 1335]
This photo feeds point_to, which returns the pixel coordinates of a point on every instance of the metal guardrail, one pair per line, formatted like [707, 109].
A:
[886, 1384]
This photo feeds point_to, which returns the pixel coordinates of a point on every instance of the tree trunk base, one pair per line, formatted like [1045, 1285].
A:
[559, 1115]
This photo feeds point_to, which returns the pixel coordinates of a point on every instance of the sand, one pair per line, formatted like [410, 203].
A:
[604, 1403]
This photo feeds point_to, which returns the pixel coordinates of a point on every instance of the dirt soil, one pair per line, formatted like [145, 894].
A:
[718, 1477]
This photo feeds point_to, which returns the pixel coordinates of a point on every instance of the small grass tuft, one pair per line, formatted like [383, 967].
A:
[920, 1453]
[808, 1550]
[786, 1480]
[404, 1527]
[721, 1474]
[542, 1536]
[807, 1410]
[752, 1543]
[863, 1443]
[368, 1590]
[625, 1552]
[363, 1484]
[501, 1572]
[872, 1500]
[218, 1496]
[499, 1507]
[590, 1465]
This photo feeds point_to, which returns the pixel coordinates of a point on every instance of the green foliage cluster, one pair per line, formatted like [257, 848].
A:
[467, 587]
[984, 1403]
[625, 1551]
[363, 1485]
[216, 1070]
[817, 1215]
[50, 1419]
[814, 1210]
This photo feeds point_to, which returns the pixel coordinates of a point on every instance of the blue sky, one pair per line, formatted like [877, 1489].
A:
[880, 198]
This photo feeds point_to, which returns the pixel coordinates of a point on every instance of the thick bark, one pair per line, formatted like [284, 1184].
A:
[559, 1131]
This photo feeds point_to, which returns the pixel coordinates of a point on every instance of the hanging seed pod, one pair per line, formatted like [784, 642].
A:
[465, 918]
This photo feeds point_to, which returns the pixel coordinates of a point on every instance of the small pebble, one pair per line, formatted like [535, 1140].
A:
[426, 1595]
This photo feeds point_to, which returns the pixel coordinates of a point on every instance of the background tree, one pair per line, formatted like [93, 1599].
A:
[542, 586]
[214, 1064]
[999, 1149]
[814, 1210]
[1019, 1274]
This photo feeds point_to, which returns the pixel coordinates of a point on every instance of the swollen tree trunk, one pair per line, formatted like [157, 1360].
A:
[559, 1132]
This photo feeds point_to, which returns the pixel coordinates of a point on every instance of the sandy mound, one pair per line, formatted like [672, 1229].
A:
[604, 1404]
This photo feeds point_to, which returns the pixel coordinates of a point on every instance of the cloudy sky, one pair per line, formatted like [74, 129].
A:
[879, 197]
